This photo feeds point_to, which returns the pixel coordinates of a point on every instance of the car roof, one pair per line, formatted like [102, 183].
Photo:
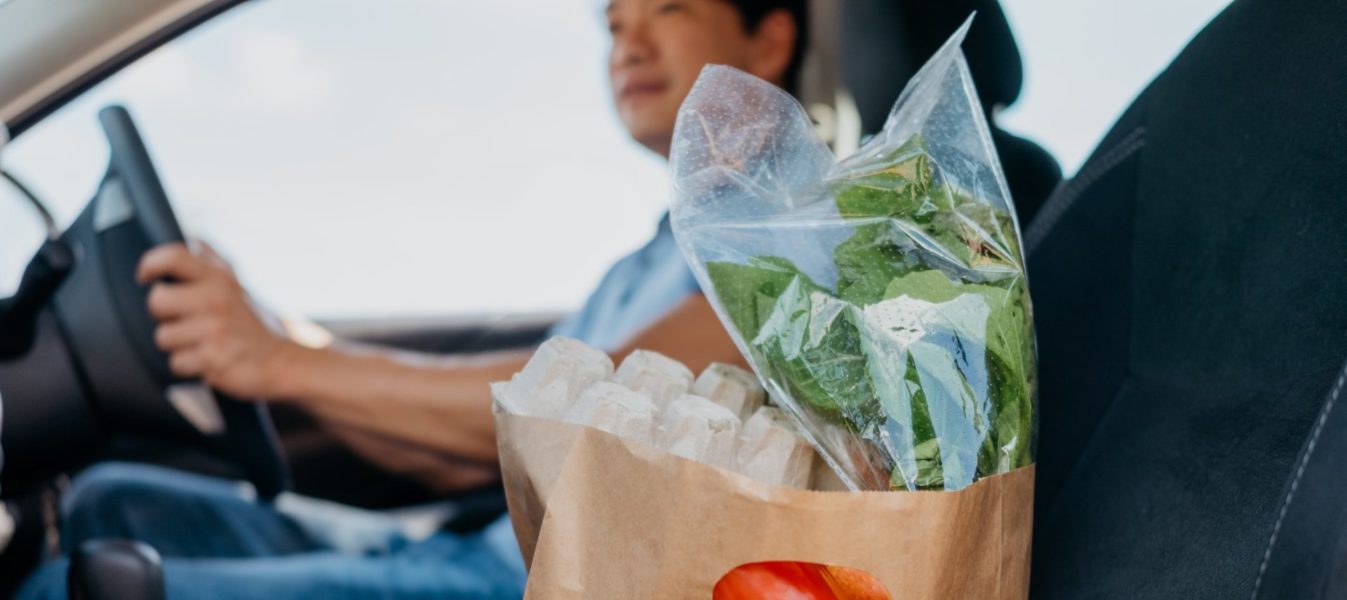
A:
[51, 51]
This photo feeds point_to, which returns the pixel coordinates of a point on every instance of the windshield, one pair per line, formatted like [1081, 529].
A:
[408, 158]
[380, 158]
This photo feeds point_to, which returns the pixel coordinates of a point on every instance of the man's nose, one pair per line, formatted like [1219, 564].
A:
[632, 46]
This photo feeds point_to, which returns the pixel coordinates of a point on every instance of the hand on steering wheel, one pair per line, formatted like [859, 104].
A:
[207, 324]
[249, 436]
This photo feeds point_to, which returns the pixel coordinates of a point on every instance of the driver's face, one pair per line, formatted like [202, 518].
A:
[659, 48]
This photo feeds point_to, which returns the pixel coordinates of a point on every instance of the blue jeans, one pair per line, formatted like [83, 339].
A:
[217, 543]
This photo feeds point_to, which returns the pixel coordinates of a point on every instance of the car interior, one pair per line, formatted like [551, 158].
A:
[1187, 425]
[1186, 284]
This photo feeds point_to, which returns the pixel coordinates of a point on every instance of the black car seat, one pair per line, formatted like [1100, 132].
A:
[883, 43]
[1190, 294]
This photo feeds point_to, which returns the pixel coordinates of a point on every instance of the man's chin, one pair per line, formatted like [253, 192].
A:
[657, 142]
[654, 136]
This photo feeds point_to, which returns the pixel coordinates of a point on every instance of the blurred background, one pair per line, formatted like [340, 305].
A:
[412, 158]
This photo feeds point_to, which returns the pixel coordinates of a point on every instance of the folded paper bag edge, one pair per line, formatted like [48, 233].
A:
[624, 518]
[532, 453]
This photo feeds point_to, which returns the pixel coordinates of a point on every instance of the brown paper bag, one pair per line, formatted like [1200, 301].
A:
[602, 517]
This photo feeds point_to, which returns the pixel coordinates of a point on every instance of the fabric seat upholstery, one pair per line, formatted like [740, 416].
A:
[1190, 292]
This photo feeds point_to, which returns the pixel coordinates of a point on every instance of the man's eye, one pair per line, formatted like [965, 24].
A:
[665, 8]
[614, 27]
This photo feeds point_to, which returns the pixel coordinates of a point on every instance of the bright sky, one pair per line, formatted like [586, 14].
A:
[1085, 60]
[416, 157]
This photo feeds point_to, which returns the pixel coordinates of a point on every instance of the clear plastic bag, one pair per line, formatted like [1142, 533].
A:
[882, 298]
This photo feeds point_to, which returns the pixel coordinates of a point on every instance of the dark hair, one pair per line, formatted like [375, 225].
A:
[752, 13]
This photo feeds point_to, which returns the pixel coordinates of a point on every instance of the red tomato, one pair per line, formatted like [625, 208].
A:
[855, 584]
[782, 580]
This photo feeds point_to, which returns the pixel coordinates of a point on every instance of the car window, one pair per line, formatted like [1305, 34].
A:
[21, 232]
[392, 158]
[1084, 62]
[410, 157]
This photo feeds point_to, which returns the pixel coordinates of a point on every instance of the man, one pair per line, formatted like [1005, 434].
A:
[426, 417]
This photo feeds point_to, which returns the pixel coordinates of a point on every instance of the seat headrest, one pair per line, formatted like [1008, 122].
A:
[883, 43]
[993, 57]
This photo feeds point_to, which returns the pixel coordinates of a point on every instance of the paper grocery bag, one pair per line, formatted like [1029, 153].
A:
[602, 517]
[532, 454]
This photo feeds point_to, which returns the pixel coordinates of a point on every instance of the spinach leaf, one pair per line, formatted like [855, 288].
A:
[924, 347]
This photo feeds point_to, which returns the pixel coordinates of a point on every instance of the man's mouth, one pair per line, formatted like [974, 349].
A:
[637, 90]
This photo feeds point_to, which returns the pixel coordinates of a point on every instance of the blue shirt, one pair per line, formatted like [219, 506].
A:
[636, 292]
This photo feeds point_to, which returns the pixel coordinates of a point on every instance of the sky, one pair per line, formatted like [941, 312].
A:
[410, 158]
[1086, 60]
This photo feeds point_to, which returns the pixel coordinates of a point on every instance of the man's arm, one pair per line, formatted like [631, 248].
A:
[441, 405]
[440, 473]
[691, 333]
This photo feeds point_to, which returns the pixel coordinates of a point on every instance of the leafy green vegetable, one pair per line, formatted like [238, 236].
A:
[924, 347]
[746, 291]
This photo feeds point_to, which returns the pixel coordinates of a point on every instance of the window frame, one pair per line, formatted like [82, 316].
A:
[31, 115]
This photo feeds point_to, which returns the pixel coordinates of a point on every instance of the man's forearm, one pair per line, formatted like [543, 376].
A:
[440, 473]
[441, 404]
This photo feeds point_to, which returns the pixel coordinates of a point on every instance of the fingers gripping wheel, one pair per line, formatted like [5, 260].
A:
[248, 435]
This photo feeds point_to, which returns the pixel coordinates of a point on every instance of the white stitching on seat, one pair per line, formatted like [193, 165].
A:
[1065, 195]
[1295, 482]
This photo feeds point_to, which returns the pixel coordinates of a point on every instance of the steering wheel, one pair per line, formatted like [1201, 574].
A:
[248, 432]
[93, 367]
